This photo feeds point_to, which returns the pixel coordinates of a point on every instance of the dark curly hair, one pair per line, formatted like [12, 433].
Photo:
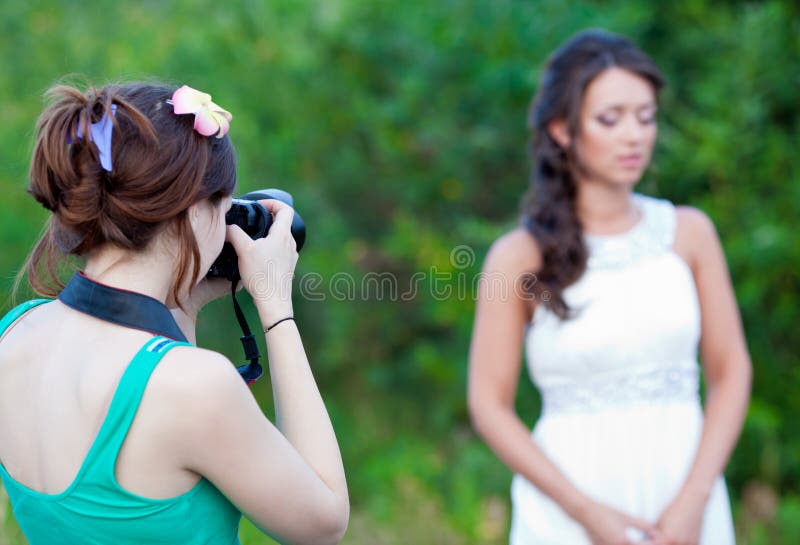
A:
[548, 209]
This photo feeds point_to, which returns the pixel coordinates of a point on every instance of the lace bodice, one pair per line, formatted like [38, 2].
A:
[634, 337]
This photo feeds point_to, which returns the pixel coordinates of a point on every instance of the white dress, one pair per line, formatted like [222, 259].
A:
[621, 414]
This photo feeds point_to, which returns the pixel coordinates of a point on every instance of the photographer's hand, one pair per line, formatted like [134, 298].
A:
[266, 265]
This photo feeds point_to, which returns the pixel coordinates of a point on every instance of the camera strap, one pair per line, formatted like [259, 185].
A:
[134, 310]
[252, 371]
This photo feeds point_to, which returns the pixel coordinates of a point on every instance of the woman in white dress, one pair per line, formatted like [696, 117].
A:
[613, 293]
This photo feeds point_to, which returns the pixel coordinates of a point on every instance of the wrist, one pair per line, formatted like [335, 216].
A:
[270, 327]
[696, 491]
[270, 313]
[578, 507]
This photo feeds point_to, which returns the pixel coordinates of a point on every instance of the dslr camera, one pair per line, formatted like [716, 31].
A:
[255, 220]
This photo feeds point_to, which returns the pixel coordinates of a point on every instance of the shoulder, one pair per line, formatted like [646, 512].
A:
[197, 396]
[514, 251]
[695, 234]
[202, 364]
[197, 382]
[693, 220]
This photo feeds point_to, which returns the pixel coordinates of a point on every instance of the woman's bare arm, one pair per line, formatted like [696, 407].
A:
[727, 371]
[494, 368]
[288, 479]
[726, 361]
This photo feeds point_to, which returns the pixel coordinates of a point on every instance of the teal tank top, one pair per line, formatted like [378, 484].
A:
[94, 509]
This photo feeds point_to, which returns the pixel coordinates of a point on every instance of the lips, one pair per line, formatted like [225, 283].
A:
[631, 161]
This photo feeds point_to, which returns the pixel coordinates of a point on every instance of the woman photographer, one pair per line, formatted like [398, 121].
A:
[613, 293]
[109, 434]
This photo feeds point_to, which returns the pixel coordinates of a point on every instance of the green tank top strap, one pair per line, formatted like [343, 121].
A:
[13, 314]
[101, 460]
[98, 466]
[95, 508]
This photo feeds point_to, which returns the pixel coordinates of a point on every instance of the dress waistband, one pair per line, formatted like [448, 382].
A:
[659, 386]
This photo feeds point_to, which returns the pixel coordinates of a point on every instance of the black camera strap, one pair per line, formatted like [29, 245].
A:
[252, 371]
[139, 311]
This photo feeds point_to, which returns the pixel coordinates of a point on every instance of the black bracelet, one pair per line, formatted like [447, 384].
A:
[279, 321]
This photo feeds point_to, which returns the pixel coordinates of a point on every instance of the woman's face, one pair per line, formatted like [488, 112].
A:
[617, 128]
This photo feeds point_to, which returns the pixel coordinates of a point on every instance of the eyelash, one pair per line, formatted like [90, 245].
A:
[611, 122]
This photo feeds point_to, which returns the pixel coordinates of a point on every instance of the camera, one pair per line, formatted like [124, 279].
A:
[255, 220]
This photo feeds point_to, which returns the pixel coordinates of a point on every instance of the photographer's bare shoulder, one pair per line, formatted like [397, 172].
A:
[222, 434]
[193, 385]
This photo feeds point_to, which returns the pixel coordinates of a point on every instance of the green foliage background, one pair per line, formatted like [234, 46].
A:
[400, 128]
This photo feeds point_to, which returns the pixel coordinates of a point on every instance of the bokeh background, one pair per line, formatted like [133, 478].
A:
[400, 128]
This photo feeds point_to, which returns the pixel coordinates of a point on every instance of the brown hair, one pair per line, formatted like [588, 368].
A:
[160, 167]
[548, 209]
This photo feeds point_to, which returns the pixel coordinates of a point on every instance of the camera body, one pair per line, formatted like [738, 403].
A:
[255, 220]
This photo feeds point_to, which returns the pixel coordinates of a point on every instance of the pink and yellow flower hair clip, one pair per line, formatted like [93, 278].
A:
[209, 118]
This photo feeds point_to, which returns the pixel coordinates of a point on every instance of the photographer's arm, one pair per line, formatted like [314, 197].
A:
[289, 479]
[224, 436]
[300, 412]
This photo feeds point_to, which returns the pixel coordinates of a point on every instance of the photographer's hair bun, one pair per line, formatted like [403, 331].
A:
[161, 166]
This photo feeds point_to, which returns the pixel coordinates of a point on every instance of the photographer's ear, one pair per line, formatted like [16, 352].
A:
[194, 212]
[201, 216]
[558, 131]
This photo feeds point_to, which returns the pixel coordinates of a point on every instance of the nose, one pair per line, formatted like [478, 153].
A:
[633, 130]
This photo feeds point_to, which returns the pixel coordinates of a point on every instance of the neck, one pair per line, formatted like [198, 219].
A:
[603, 208]
[144, 272]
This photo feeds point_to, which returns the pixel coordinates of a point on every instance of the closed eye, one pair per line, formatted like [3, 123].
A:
[647, 116]
[607, 120]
